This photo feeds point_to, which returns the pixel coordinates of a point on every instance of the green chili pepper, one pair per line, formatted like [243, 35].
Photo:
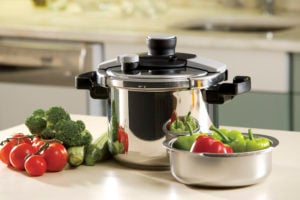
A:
[234, 139]
[258, 143]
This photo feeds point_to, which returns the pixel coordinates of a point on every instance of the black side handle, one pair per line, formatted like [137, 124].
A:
[219, 94]
[88, 81]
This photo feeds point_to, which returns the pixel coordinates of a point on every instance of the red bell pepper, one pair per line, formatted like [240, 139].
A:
[207, 144]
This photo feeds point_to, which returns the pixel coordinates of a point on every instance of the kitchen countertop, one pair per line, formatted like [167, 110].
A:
[111, 180]
[21, 19]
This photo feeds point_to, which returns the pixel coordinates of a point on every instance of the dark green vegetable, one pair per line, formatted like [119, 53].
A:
[97, 151]
[55, 114]
[55, 123]
[36, 122]
[258, 143]
[72, 133]
[76, 155]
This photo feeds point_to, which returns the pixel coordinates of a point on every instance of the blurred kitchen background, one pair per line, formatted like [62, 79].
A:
[45, 43]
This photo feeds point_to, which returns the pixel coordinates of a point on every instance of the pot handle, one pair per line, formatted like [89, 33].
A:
[88, 81]
[219, 94]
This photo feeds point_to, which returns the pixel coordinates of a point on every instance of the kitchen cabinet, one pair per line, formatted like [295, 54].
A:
[295, 75]
[268, 103]
[257, 109]
[19, 100]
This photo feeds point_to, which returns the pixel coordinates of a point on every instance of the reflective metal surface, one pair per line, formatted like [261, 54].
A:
[143, 115]
[220, 170]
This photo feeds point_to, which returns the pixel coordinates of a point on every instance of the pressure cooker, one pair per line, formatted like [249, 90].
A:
[143, 90]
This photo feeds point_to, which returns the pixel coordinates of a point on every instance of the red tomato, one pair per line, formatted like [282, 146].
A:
[18, 154]
[5, 150]
[38, 144]
[35, 139]
[23, 140]
[35, 165]
[56, 157]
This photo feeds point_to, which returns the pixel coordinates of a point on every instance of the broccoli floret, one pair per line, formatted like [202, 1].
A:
[71, 134]
[86, 136]
[36, 122]
[54, 114]
[47, 133]
[56, 123]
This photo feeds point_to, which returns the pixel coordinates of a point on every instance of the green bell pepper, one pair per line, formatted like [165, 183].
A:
[185, 142]
[235, 139]
[177, 126]
[190, 120]
[180, 124]
[258, 143]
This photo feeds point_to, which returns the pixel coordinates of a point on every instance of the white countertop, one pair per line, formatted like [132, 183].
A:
[111, 180]
[21, 19]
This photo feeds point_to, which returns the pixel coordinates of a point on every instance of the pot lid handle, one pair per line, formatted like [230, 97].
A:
[161, 45]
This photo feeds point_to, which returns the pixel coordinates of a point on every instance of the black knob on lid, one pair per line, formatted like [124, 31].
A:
[161, 45]
[128, 62]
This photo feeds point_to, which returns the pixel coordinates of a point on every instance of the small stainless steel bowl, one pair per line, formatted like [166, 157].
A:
[220, 170]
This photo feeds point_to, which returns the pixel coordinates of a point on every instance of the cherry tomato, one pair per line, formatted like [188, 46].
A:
[23, 140]
[35, 165]
[38, 144]
[5, 150]
[56, 157]
[18, 154]
[35, 139]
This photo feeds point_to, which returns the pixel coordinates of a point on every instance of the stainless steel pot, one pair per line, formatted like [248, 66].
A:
[221, 170]
[144, 89]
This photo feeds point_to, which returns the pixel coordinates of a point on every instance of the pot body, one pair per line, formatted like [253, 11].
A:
[139, 118]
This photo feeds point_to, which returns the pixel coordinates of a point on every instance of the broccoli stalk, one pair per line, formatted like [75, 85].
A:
[76, 155]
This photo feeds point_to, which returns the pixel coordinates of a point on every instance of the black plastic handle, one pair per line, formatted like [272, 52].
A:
[219, 94]
[88, 81]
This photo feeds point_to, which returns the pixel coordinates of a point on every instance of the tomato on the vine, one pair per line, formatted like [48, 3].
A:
[56, 156]
[9, 144]
[18, 154]
[35, 165]
[5, 150]
[23, 140]
[38, 144]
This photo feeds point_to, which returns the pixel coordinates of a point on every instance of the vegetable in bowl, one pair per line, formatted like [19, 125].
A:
[221, 141]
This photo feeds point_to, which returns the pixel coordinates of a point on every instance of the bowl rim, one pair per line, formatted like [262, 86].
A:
[168, 144]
